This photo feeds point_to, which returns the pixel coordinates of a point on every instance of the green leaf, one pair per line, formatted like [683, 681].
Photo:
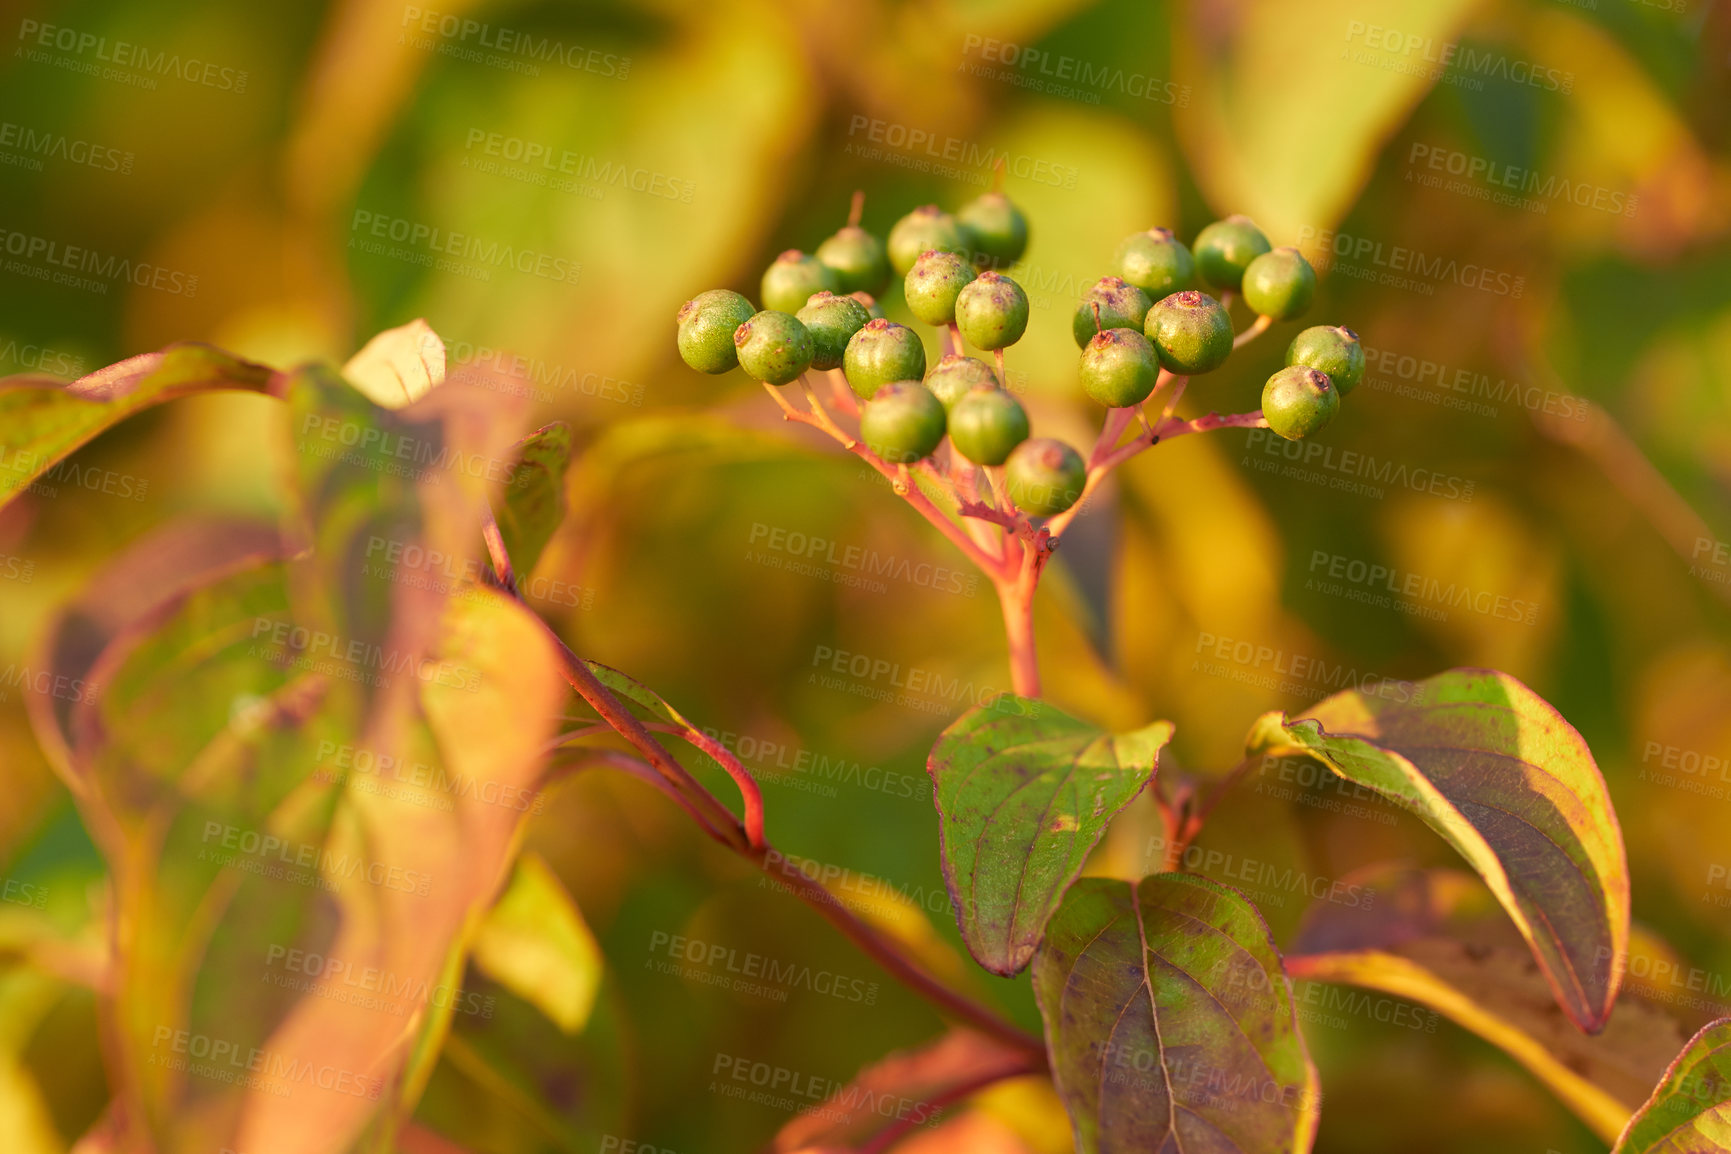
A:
[1690, 1110]
[43, 420]
[1169, 1023]
[534, 499]
[1485, 762]
[535, 943]
[1023, 794]
[902, 1091]
[1437, 937]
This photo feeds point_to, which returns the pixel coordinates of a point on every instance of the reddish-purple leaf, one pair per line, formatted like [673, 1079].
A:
[1490, 766]
[1169, 1023]
[1023, 794]
[1690, 1110]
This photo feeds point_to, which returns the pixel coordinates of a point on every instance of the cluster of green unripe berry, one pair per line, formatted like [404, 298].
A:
[820, 312]
[1151, 315]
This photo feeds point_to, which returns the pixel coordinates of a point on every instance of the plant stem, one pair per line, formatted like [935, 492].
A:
[1251, 333]
[1016, 600]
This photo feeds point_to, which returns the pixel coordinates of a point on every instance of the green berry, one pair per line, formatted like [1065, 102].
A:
[1191, 332]
[1330, 349]
[706, 324]
[934, 283]
[881, 352]
[773, 347]
[992, 311]
[926, 227]
[986, 424]
[999, 230]
[1225, 248]
[953, 376]
[871, 304]
[1122, 306]
[792, 279]
[832, 322]
[1298, 401]
[1156, 262]
[1279, 284]
[1045, 476]
[1119, 368]
[858, 260]
[903, 423]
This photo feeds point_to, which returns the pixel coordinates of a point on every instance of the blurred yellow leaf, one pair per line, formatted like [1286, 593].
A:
[535, 943]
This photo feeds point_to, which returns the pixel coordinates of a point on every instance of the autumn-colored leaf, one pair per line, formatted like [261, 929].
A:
[1507, 782]
[1690, 1110]
[535, 943]
[1437, 937]
[533, 503]
[1169, 1023]
[1024, 792]
[43, 420]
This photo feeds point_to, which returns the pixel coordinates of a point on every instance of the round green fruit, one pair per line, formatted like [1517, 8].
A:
[1225, 248]
[992, 311]
[706, 324]
[773, 347]
[986, 424]
[1330, 349]
[1045, 476]
[881, 352]
[934, 283]
[792, 279]
[902, 423]
[1156, 262]
[998, 228]
[832, 322]
[926, 227]
[1280, 284]
[871, 304]
[1297, 401]
[1119, 368]
[1191, 333]
[1122, 306]
[857, 258]
[953, 376]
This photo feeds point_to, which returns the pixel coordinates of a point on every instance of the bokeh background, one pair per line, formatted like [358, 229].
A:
[1520, 205]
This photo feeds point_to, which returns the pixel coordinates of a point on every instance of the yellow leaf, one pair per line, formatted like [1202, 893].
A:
[535, 943]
